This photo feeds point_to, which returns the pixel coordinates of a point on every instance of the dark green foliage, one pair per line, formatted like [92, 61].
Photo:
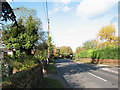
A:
[50, 46]
[22, 38]
[109, 53]
[24, 78]
[104, 53]
[7, 12]
[41, 54]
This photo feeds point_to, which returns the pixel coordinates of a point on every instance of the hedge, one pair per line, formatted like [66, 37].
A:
[107, 53]
[104, 53]
[24, 79]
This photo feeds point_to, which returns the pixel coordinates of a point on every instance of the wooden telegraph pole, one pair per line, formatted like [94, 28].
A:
[48, 31]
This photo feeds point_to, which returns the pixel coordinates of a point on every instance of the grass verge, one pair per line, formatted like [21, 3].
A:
[51, 83]
[51, 68]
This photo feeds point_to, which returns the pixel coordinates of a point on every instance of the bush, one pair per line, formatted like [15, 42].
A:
[24, 78]
[27, 61]
[109, 53]
[89, 53]
[104, 53]
[41, 54]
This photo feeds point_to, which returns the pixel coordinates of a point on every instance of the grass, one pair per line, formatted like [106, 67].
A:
[52, 68]
[51, 83]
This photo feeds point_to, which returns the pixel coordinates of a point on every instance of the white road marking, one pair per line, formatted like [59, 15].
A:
[97, 76]
[105, 69]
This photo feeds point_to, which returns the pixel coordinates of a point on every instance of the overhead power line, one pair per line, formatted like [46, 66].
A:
[46, 9]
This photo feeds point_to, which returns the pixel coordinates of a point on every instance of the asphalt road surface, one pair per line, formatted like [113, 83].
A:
[85, 76]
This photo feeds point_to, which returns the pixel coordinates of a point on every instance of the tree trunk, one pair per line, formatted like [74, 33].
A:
[43, 67]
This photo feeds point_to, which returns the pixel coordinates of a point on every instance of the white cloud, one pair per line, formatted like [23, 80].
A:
[66, 8]
[91, 8]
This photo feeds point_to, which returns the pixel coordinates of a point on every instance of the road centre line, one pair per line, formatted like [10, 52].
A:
[97, 76]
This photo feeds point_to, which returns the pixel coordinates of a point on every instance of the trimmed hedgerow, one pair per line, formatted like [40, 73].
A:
[104, 53]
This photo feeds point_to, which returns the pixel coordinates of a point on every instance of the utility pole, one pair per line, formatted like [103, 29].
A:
[48, 30]
[48, 37]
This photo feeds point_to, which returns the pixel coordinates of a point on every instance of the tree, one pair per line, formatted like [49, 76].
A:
[22, 38]
[92, 44]
[79, 49]
[106, 36]
[7, 12]
[11, 36]
[23, 13]
[54, 50]
[42, 46]
[65, 50]
[29, 33]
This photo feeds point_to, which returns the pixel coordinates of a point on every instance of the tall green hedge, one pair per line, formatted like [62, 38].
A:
[104, 53]
[108, 53]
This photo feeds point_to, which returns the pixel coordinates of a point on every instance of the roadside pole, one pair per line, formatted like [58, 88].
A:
[48, 37]
[48, 43]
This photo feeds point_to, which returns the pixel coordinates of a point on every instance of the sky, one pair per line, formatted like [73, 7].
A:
[72, 22]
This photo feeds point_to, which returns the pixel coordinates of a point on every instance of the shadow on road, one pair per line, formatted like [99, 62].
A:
[68, 67]
[65, 66]
[70, 70]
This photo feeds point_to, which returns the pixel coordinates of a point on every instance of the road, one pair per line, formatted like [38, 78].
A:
[85, 76]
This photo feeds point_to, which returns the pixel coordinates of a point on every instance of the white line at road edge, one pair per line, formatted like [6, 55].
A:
[97, 76]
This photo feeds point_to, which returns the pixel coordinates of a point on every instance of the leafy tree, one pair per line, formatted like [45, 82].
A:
[54, 50]
[106, 36]
[24, 37]
[92, 44]
[79, 49]
[64, 50]
[7, 12]
[31, 34]
[23, 13]
[42, 46]
[11, 36]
